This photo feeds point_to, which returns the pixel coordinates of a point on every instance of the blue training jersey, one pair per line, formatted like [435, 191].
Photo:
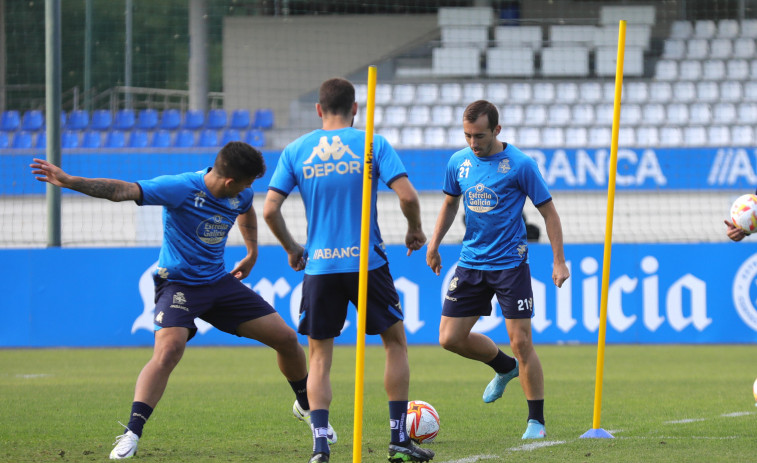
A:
[195, 225]
[327, 167]
[494, 191]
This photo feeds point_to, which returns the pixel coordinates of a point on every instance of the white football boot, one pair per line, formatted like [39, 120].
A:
[304, 415]
[125, 446]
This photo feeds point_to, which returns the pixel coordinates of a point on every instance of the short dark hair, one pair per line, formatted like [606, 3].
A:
[480, 108]
[239, 161]
[337, 96]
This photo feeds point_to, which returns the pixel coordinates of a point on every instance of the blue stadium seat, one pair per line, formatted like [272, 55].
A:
[216, 119]
[240, 119]
[41, 140]
[193, 119]
[78, 120]
[91, 139]
[22, 140]
[125, 119]
[230, 135]
[263, 119]
[170, 119]
[32, 120]
[161, 139]
[185, 138]
[69, 139]
[5, 141]
[147, 119]
[10, 121]
[63, 120]
[115, 139]
[102, 119]
[255, 137]
[139, 139]
[208, 137]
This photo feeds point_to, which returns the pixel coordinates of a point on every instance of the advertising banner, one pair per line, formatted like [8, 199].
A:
[658, 293]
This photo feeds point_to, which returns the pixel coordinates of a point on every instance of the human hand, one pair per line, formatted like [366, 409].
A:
[734, 232]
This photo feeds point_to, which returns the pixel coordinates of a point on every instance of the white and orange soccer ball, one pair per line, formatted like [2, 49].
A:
[422, 421]
[744, 213]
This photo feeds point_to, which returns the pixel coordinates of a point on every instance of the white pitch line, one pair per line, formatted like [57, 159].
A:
[32, 376]
[536, 445]
[472, 459]
[734, 414]
[688, 420]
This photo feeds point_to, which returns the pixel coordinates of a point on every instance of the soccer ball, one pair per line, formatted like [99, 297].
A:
[422, 421]
[744, 213]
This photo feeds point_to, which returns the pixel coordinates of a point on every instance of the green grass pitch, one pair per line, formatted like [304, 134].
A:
[681, 403]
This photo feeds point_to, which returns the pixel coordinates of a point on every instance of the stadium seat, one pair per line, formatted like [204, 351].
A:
[240, 119]
[565, 61]
[230, 135]
[636, 92]
[434, 137]
[419, 115]
[604, 113]
[721, 48]
[653, 114]
[383, 94]
[411, 137]
[697, 49]
[552, 137]
[5, 140]
[511, 115]
[558, 114]
[32, 120]
[718, 135]
[216, 119]
[677, 113]
[671, 136]
[10, 121]
[147, 119]
[566, 92]
[496, 92]
[170, 119]
[684, 92]
[510, 62]
[450, 93]
[742, 135]
[124, 120]
[600, 137]
[630, 114]
[161, 139]
[392, 135]
[395, 116]
[582, 114]
[473, 91]
[750, 91]
[707, 91]
[102, 119]
[681, 30]
[115, 139]
[660, 92]
[185, 138]
[194, 119]
[139, 139]
[521, 93]
[508, 133]
[728, 29]
[255, 137]
[457, 62]
[737, 69]
[474, 36]
[403, 94]
[730, 91]
[442, 115]
[78, 119]
[361, 117]
[695, 136]
[41, 141]
[91, 139]
[576, 137]
[543, 92]
[713, 69]
[748, 28]
[673, 49]
[626, 136]
[69, 139]
[743, 48]
[426, 93]
[747, 113]
[361, 94]
[22, 140]
[518, 37]
[455, 136]
[700, 114]
[666, 69]
[705, 29]
[529, 137]
[648, 137]
[690, 69]
[535, 114]
[264, 119]
[208, 138]
[590, 92]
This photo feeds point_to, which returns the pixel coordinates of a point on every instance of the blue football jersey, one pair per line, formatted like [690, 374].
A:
[327, 167]
[195, 225]
[494, 190]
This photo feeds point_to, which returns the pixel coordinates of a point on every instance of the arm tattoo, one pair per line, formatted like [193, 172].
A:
[114, 190]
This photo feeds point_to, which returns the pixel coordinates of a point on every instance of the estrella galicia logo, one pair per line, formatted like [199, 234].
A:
[745, 292]
[214, 229]
[480, 198]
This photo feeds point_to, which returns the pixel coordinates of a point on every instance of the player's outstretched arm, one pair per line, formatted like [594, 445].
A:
[106, 188]
[560, 271]
[411, 209]
[733, 232]
[248, 227]
[275, 220]
[443, 221]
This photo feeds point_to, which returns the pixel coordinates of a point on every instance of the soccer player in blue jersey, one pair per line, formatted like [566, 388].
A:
[199, 210]
[493, 179]
[327, 167]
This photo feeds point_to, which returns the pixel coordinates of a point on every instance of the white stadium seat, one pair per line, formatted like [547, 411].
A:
[576, 137]
[671, 136]
[653, 114]
[674, 49]
[705, 29]
[634, 14]
[511, 115]
[604, 114]
[737, 69]
[742, 135]
[750, 91]
[630, 114]
[636, 92]
[558, 114]
[626, 137]
[361, 93]
[508, 134]
[681, 30]
[606, 61]
[666, 69]
[392, 135]
[677, 113]
[383, 94]
[700, 114]
[728, 28]
[543, 92]
[529, 137]
[395, 116]
[590, 92]
[517, 37]
[465, 36]
[731, 91]
[465, 16]
[747, 113]
[724, 113]
[403, 94]
[582, 114]
[744, 47]
[565, 61]
[695, 136]
[600, 137]
[520, 92]
[434, 136]
[535, 114]
[660, 92]
[455, 136]
[721, 48]
[411, 137]
[553, 137]
[473, 91]
[684, 91]
[511, 62]
[442, 115]
[713, 70]
[458, 62]
[748, 28]
[427, 93]
[450, 93]
[496, 92]
[647, 136]
[566, 92]
[718, 135]
[707, 91]
[690, 69]
[419, 115]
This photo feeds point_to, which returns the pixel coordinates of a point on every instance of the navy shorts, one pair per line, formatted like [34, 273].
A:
[470, 292]
[225, 304]
[325, 298]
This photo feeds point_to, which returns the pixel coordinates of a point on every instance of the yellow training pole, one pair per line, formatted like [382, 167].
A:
[362, 301]
[596, 431]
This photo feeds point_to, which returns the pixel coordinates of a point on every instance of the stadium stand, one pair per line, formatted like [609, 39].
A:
[10, 121]
[147, 119]
[33, 120]
[102, 119]
[22, 140]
